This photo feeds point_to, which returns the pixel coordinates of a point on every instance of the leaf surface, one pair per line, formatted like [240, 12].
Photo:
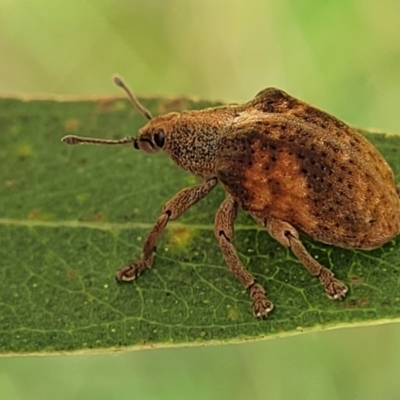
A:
[70, 216]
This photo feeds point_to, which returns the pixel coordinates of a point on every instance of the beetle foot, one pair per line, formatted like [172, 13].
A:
[261, 305]
[132, 271]
[335, 289]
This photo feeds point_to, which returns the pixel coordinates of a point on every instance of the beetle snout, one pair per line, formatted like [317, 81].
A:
[145, 142]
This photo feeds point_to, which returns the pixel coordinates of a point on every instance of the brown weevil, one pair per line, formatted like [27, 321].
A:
[292, 167]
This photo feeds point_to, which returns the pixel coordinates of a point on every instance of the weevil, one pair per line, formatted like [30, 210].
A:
[292, 167]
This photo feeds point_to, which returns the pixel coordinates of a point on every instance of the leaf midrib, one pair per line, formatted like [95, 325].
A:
[109, 226]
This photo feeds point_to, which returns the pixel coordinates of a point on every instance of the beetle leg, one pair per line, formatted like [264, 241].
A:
[172, 209]
[287, 235]
[224, 231]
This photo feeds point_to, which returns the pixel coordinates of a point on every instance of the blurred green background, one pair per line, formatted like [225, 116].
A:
[342, 55]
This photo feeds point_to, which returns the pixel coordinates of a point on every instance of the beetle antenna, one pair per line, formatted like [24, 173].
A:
[144, 111]
[72, 139]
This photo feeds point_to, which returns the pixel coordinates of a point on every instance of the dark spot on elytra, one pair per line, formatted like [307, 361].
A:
[349, 219]
[275, 126]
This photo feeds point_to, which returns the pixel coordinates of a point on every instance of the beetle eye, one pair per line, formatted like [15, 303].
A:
[159, 138]
[135, 144]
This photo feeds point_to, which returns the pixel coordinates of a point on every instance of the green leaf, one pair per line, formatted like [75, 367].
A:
[71, 216]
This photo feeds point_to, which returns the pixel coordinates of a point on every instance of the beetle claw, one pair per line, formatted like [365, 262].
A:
[336, 290]
[261, 305]
[131, 271]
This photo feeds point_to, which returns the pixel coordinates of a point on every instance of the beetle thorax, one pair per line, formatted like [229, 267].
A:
[194, 146]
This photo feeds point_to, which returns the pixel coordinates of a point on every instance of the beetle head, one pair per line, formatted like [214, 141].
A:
[154, 135]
